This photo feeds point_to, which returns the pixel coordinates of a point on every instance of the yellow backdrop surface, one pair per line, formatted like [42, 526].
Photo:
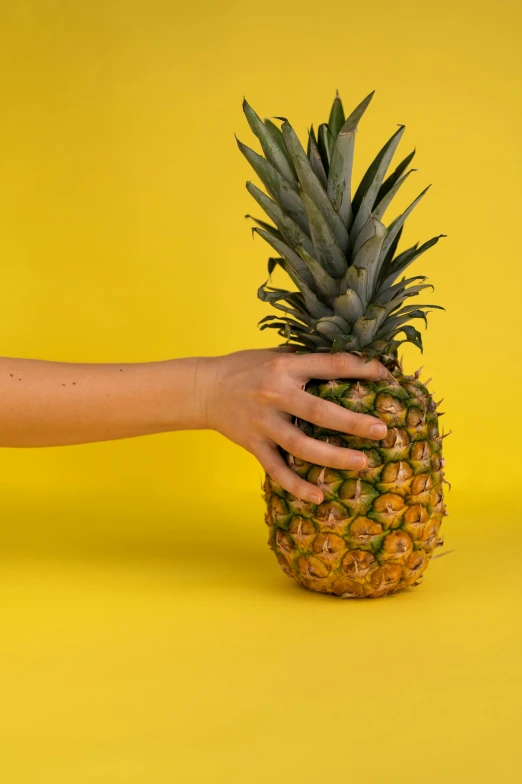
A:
[146, 634]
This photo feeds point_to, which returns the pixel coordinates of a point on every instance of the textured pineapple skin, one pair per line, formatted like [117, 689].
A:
[376, 530]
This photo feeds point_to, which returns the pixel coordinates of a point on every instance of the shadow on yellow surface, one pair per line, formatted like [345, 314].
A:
[194, 659]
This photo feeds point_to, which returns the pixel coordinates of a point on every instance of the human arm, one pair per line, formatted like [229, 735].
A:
[249, 396]
[59, 403]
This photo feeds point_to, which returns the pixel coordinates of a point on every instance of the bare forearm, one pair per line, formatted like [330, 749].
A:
[56, 403]
[255, 398]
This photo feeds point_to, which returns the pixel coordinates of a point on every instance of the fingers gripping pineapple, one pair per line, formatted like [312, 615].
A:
[376, 529]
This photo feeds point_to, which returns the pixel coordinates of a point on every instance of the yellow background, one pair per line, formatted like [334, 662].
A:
[146, 632]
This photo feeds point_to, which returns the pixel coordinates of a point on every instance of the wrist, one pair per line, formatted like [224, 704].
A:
[191, 390]
[204, 385]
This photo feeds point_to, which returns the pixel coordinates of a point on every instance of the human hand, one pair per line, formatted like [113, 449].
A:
[252, 396]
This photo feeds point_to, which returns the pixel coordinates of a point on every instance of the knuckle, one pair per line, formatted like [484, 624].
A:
[315, 410]
[373, 369]
[295, 442]
[326, 455]
[344, 420]
[252, 443]
[271, 469]
[266, 391]
[340, 363]
[361, 424]
[277, 363]
[276, 472]
[288, 482]
[261, 415]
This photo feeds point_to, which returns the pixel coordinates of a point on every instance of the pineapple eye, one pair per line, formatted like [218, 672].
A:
[301, 528]
[415, 417]
[433, 431]
[279, 509]
[364, 530]
[386, 577]
[343, 586]
[395, 439]
[374, 458]
[357, 563]
[311, 566]
[330, 510]
[416, 514]
[397, 472]
[436, 462]
[420, 450]
[355, 490]
[390, 409]
[397, 543]
[328, 544]
[389, 502]
[284, 541]
[420, 483]
[333, 440]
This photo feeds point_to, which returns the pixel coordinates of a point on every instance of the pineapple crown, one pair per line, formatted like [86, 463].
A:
[334, 247]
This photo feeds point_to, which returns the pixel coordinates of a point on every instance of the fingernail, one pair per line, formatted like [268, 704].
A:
[315, 498]
[378, 430]
[383, 372]
[358, 462]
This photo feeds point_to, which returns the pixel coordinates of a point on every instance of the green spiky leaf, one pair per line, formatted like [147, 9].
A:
[349, 306]
[332, 326]
[356, 278]
[277, 186]
[312, 187]
[325, 286]
[387, 295]
[294, 264]
[345, 343]
[288, 228]
[277, 298]
[325, 145]
[398, 265]
[390, 181]
[326, 248]
[397, 224]
[369, 253]
[384, 264]
[374, 182]
[349, 296]
[300, 275]
[271, 148]
[390, 328]
[386, 200]
[336, 119]
[315, 160]
[364, 330]
[273, 263]
[265, 226]
[277, 136]
[340, 171]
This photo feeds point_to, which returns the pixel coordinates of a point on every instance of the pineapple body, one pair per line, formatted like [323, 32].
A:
[376, 530]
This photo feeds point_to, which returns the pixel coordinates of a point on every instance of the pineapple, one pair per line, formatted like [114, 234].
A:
[375, 531]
